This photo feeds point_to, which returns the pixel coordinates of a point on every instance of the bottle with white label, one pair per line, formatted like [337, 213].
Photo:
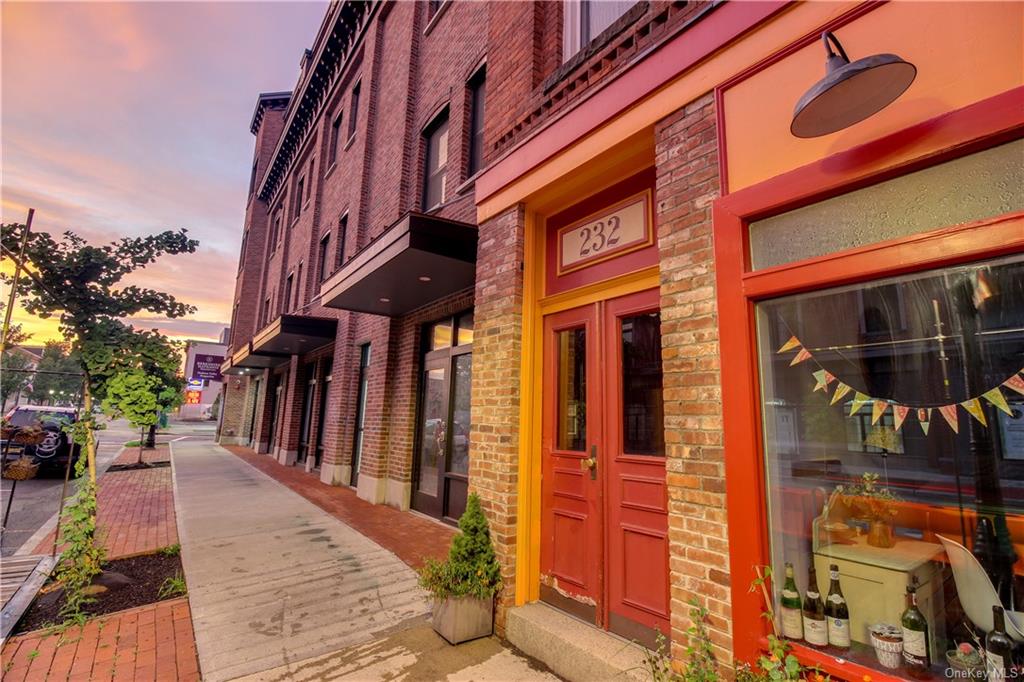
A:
[916, 658]
[998, 646]
[792, 620]
[837, 612]
[815, 629]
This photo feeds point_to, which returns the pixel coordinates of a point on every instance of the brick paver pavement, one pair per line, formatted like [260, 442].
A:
[151, 643]
[136, 512]
[411, 537]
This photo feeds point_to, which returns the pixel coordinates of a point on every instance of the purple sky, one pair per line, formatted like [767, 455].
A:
[129, 118]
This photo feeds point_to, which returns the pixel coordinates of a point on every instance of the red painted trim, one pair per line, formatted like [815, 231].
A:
[985, 124]
[799, 44]
[727, 23]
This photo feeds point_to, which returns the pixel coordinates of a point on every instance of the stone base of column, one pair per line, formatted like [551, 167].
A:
[232, 440]
[373, 490]
[262, 447]
[286, 457]
[335, 474]
[399, 494]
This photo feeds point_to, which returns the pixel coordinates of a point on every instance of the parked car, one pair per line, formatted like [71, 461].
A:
[56, 447]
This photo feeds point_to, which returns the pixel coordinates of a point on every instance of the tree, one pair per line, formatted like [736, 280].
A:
[11, 361]
[77, 282]
[58, 377]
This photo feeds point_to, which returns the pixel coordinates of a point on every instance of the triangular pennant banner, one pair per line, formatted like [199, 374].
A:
[924, 417]
[949, 412]
[821, 380]
[859, 401]
[789, 345]
[800, 357]
[1016, 382]
[899, 413]
[877, 410]
[841, 390]
[973, 407]
[995, 396]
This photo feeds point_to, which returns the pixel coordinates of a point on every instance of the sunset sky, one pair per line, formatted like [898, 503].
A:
[122, 119]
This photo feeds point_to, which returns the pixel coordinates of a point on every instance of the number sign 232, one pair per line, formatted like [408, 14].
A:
[622, 228]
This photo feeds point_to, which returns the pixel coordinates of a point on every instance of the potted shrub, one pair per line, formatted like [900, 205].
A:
[463, 586]
[876, 505]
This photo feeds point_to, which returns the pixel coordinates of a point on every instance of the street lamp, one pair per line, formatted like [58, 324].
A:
[849, 92]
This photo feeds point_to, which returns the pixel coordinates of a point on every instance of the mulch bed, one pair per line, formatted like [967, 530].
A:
[130, 582]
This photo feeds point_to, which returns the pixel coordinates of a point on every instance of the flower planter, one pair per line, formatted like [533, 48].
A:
[460, 619]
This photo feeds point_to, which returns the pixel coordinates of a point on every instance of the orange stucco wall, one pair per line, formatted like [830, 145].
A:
[964, 52]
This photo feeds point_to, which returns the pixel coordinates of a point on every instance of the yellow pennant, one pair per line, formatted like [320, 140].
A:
[789, 345]
[995, 396]
[841, 390]
[877, 410]
[859, 401]
[973, 407]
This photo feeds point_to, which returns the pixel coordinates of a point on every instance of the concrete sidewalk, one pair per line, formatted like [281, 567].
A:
[274, 581]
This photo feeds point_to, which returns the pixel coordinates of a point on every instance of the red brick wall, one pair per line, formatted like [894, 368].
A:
[687, 182]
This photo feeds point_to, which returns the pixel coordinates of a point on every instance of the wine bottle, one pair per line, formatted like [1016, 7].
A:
[792, 625]
[998, 646]
[815, 629]
[916, 655]
[837, 612]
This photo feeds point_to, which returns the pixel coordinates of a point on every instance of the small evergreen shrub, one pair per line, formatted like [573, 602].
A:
[471, 569]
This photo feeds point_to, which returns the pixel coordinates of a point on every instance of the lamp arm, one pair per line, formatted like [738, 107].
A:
[828, 37]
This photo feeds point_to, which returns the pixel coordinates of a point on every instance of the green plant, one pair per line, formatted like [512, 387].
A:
[471, 568]
[868, 499]
[82, 557]
[172, 587]
[32, 654]
[171, 550]
[700, 665]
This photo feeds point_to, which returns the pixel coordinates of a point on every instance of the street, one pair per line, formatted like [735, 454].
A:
[35, 501]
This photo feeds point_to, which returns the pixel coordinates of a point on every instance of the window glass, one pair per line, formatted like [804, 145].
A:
[342, 238]
[981, 185]
[353, 111]
[572, 390]
[433, 430]
[893, 422]
[465, 325]
[335, 138]
[643, 419]
[325, 245]
[441, 335]
[584, 20]
[476, 121]
[461, 382]
[434, 177]
[364, 386]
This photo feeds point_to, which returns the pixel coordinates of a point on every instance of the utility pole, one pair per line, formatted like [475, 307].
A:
[18, 264]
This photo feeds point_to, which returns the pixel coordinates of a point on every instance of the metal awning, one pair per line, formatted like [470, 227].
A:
[294, 335]
[245, 361]
[418, 260]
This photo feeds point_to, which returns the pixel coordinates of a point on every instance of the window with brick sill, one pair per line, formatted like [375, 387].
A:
[585, 20]
[436, 167]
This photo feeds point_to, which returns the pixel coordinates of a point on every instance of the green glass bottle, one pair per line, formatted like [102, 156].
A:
[837, 612]
[815, 628]
[998, 647]
[792, 616]
[916, 655]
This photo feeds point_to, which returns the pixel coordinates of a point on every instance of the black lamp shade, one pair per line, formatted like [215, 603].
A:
[850, 92]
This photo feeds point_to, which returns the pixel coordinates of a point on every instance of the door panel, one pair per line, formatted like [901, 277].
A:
[433, 439]
[572, 548]
[604, 510]
[638, 576]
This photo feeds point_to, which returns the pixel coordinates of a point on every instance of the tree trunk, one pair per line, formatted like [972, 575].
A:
[151, 437]
[142, 441]
[90, 444]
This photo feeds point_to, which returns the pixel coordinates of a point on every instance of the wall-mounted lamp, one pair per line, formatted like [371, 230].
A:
[849, 92]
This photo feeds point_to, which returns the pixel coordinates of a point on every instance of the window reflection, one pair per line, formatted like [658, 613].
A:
[572, 390]
[643, 419]
[893, 417]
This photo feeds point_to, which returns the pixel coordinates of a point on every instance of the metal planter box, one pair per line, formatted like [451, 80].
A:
[460, 619]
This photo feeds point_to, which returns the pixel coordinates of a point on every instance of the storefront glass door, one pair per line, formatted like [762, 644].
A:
[442, 441]
[307, 413]
[325, 383]
[604, 554]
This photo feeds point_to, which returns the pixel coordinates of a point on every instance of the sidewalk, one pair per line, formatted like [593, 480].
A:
[282, 590]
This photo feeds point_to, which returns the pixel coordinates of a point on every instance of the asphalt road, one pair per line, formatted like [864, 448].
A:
[36, 501]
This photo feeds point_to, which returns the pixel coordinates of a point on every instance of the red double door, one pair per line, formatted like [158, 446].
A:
[604, 524]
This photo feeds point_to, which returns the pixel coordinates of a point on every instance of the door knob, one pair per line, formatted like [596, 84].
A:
[590, 463]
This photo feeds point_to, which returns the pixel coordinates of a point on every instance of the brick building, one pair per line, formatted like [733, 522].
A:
[569, 245]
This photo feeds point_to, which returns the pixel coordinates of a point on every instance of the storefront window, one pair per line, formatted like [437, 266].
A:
[893, 422]
[441, 335]
[572, 390]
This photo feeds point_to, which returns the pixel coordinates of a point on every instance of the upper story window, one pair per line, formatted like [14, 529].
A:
[353, 110]
[265, 312]
[434, 174]
[275, 232]
[476, 88]
[342, 237]
[584, 20]
[252, 178]
[335, 140]
[323, 253]
[241, 257]
[299, 193]
[309, 187]
[286, 300]
[298, 288]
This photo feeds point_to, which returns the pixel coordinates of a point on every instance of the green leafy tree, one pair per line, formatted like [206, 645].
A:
[471, 568]
[58, 379]
[12, 380]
